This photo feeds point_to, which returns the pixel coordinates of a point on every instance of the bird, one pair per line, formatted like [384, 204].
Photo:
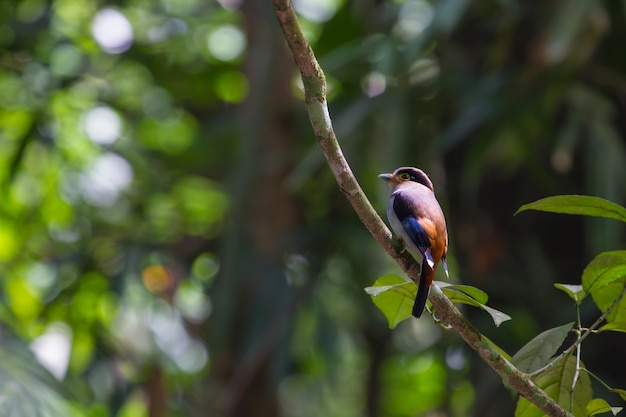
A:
[416, 217]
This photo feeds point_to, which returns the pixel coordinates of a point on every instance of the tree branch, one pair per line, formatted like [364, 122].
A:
[315, 98]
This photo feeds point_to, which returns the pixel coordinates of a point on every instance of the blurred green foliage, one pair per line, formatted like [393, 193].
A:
[169, 232]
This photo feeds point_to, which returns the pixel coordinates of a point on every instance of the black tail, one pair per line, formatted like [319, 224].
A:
[422, 290]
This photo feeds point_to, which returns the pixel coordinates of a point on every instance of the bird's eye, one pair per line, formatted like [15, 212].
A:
[405, 177]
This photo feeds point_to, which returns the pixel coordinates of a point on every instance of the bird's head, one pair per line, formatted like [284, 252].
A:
[406, 174]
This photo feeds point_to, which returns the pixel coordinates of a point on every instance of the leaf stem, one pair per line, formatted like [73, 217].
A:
[577, 366]
[597, 378]
[591, 329]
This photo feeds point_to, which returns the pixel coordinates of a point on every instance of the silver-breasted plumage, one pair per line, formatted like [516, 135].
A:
[416, 217]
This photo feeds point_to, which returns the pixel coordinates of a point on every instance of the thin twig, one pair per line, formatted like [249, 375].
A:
[582, 337]
[577, 367]
[317, 109]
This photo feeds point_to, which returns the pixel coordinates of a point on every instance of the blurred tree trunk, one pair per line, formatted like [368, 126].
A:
[250, 318]
[157, 395]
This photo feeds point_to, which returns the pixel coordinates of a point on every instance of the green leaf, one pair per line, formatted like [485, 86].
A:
[600, 406]
[497, 316]
[604, 269]
[540, 349]
[597, 406]
[460, 297]
[576, 292]
[616, 326]
[476, 293]
[578, 204]
[609, 297]
[557, 383]
[605, 279]
[394, 297]
[469, 295]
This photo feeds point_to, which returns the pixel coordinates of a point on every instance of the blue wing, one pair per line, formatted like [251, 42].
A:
[417, 234]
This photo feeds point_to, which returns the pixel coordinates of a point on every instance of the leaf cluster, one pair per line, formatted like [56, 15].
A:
[562, 376]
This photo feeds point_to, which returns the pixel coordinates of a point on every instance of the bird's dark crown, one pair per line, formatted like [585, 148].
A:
[413, 174]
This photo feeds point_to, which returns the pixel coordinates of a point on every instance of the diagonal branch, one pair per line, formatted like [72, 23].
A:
[317, 109]
[315, 98]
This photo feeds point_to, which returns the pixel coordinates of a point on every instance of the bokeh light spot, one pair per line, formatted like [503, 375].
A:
[112, 31]
[41, 277]
[9, 242]
[230, 4]
[205, 267]
[66, 60]
[22, 299]
[157, 103]
[423, 70]
[192, 302]
[318, 11]
[52, 349]
[163, 217]
[171, 136]
[413, 18]
[167, 29]
[27, 189]
[15, 123]
[374, 84]
[192, 358]
[157, 278]
[203, 205]
[102, 125]
[562, 161]
[232, 86]
[134, 406]
[105, 179]
[226, 43]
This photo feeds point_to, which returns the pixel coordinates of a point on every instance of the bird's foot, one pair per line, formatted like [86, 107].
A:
[400, 244]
